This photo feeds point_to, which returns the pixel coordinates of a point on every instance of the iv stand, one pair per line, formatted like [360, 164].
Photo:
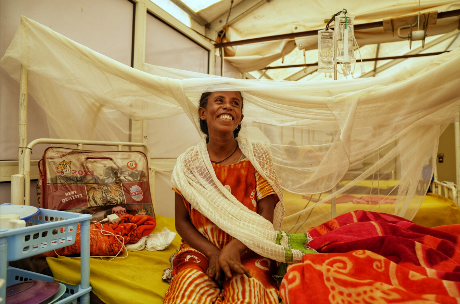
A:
[335, 58]
[333, 200]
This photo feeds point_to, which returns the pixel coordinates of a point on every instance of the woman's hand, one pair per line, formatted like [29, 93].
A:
[195, 239]
[230, 261]
[214, 269]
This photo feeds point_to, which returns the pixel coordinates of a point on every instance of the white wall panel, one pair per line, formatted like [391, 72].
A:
[170, 137]
[5, 193]
[164, 195]
[103, 25]
[165, 46]
[229, 70]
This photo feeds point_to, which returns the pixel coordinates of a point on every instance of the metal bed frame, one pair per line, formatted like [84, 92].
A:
[20, 183]
[448, 190]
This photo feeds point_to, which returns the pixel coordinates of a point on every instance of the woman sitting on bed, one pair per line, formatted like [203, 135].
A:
[211, 266]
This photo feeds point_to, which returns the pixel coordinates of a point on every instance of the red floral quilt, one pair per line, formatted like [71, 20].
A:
[368, 257]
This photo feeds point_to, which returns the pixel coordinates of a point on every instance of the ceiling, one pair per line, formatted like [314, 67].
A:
[250, 19]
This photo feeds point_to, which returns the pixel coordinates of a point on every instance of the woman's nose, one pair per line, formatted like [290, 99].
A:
[226, 105]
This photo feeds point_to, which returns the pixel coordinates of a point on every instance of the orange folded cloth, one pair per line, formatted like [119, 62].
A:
[109, 239]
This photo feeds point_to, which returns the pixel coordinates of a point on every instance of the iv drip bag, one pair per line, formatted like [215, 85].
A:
[344, 34]
[325, 51]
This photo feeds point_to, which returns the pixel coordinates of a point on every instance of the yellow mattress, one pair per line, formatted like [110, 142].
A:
[435, 210]
[383, 184]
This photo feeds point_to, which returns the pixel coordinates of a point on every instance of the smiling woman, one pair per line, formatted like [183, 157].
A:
[221, 115]
[211, 266]
[229, 113]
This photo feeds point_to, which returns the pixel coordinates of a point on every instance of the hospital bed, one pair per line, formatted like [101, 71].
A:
[139, 275]
[137, 278]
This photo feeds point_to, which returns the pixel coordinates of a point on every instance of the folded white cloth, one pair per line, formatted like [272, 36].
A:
[140, 245]
[160, 240]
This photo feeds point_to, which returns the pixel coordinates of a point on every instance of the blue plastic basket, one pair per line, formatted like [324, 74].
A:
[46, 231]
[72, 292]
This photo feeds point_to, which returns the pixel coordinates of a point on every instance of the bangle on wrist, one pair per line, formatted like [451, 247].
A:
[244, 251]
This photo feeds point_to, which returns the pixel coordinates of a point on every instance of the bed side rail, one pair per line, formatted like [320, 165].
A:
[446, 189]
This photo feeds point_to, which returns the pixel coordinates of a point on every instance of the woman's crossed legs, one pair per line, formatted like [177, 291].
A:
[190, 284]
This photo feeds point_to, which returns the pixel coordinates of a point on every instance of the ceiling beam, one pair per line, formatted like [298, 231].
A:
[248, 76]
[303, 73]
[262, 75]
[302, 65]
[238, 11]
[293, 35]
[313, 67]
[357, 27]
[190, 12]
[376, 56]
[412, 53]
[452, 42]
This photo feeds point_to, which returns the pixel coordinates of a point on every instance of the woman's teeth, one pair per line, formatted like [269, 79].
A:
[225, 117]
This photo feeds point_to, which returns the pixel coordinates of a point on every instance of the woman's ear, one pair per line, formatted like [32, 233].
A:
[242, 116]
[202, 113]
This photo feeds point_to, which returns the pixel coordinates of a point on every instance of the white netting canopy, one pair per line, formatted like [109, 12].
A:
[364, 144]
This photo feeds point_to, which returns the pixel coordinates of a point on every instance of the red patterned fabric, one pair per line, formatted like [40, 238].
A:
[103, 241]
[190, 283]
[373, 257]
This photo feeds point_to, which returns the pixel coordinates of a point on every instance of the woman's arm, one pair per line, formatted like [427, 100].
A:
[229, 258]
[195, 239]
[266, 207]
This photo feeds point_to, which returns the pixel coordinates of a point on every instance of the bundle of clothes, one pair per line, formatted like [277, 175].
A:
[109, 239]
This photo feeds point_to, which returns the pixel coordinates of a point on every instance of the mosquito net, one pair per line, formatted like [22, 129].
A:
[362, 144]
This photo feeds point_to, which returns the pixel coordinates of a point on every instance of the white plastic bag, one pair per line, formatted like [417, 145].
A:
[160, 240]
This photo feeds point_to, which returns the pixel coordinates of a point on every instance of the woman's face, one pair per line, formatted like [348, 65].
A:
[222, 112]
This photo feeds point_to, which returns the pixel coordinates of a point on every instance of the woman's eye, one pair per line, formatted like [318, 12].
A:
[218, 100]
[235, 103]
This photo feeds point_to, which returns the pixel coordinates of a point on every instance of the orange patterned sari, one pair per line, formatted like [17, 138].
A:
[190, 284]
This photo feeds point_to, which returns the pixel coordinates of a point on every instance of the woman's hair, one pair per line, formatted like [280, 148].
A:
[204, 126]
